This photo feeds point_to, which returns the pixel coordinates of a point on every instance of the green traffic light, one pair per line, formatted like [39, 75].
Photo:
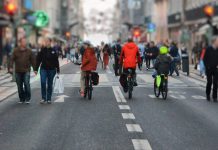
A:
[42, 19]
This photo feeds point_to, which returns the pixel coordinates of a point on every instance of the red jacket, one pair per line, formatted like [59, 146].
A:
[89, 60]
[130, 55]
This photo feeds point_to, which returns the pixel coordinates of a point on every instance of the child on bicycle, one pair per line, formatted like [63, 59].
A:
[162, 64]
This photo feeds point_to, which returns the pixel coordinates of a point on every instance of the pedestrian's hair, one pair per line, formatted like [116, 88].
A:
[20, 40]
[214, 38]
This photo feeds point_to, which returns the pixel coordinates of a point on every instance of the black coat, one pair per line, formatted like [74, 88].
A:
[162, 64]
[211, 58]
[48, 59]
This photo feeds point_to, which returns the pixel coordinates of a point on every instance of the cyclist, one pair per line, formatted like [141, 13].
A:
[129, 57]
[162, 64]
[89, 63]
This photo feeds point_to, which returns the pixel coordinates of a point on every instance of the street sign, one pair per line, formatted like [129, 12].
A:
[42, 19]
[151, 27]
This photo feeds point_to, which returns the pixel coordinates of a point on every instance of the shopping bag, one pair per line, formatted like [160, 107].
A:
[158, 81]
[58, 86]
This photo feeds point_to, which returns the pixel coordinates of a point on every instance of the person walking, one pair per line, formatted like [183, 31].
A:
[147, 56]
[23, 59]
[106, 54]
[117, 50]
[48, 60]
[174, 52]
[211, 64]
[154, 51]
[201, 62]
[7, 54]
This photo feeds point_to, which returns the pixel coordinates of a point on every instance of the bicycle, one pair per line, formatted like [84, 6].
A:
[88, 85]
[130, 82]
[162, 88]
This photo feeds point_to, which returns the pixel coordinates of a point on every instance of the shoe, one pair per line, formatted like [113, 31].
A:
[42, 101]
[20, 102]
[82, 94]
[208, 97]
[27, 102]
[135, 84]
[49, 101]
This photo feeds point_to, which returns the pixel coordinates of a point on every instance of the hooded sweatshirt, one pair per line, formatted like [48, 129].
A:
[130, 55]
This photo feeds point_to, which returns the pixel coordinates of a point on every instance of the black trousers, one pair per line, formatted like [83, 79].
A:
[117, 66]
[148, 62]
[212, 78]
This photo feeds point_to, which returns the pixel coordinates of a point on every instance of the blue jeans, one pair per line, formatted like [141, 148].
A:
[173, 68]
[23, 86]
[47, 77]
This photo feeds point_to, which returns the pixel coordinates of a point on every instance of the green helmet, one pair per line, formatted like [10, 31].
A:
[163, 50]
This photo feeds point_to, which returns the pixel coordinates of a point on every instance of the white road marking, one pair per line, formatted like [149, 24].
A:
[118, 94]
[198, 97]
[128, 116]
[60, 99]
[140, 144]
[152, 96]
[124, 107]
[181, 97]
[133, 128]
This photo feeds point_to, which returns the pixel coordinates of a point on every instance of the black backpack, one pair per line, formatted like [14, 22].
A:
[95, 78]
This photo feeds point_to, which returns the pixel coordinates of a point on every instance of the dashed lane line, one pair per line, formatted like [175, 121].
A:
[124, 107]
[141, 144]
[118, 94]
[128, 116]
[134, 128]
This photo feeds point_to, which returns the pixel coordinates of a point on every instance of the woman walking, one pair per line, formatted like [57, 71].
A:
[106, 54]
[48, 60]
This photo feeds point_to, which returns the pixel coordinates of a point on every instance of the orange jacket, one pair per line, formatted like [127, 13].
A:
[130, 55]
[89, 60]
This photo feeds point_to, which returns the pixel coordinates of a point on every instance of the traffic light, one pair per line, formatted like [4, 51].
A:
[67, 34]
[136, 32]
[209, 10]
[42, 19]
[11, 8]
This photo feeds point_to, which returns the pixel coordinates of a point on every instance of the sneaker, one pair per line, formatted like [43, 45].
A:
[49, 101]
[20, 102]
[82, 94]
[42, 101]
[27, 102]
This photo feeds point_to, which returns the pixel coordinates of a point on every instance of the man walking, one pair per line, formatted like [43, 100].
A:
[211, 64]
[23, 59]
[117, 50]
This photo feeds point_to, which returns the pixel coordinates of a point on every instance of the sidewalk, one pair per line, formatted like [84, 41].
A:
[193, 73]
[8, 88]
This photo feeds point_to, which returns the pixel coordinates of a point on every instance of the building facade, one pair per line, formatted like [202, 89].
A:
[188, 24]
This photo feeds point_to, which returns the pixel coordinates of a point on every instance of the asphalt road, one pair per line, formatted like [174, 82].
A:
[185, 121]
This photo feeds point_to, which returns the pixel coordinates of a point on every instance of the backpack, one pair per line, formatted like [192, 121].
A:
[95, 78]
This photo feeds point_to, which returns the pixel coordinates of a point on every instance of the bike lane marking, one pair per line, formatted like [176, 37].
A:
[138, 143]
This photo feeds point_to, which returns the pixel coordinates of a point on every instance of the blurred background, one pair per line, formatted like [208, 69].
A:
[184, 21]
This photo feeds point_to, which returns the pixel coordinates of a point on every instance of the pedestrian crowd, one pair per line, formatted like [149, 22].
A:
[164, 57]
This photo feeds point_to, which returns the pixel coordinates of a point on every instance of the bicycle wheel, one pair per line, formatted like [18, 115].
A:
[156, 89]
[164, 90]
[90, 89]
[130, 84]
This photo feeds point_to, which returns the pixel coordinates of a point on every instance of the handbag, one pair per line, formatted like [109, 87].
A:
[95, 78]
[58, 86]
